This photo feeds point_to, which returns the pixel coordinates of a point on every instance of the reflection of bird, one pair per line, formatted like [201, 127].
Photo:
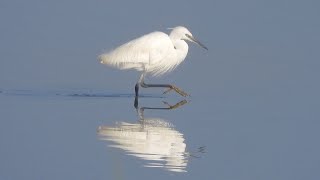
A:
[155, 53]
[153, 140]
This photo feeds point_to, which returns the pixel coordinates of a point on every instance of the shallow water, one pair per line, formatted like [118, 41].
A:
[76, 134]
[253, 114]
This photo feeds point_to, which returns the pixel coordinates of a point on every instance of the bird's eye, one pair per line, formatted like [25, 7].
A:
[186, 35]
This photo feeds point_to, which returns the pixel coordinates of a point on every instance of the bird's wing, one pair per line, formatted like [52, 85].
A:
[144, 51]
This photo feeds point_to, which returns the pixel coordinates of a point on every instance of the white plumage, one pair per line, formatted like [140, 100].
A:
[150, 51]
[155, 53]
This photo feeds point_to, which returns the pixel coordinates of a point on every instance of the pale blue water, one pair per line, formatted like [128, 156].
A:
[62, 136]
[253, 111]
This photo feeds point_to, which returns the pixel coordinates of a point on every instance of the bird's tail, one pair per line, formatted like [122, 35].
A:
[107, 59]
[103, 58]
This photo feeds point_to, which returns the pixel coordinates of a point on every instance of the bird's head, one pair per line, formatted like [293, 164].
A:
[183, 33]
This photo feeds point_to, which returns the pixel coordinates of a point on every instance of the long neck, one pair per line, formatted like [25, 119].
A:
[181, 48]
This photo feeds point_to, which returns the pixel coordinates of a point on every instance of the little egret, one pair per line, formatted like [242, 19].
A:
[155, 53]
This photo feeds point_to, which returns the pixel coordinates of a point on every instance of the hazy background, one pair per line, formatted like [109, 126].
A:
[255, 93]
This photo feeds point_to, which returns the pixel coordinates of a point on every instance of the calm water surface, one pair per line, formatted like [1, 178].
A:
[253, 115]
[94, 135]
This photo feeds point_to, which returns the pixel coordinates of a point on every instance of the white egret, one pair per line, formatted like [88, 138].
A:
[154, 140]
[155, 53]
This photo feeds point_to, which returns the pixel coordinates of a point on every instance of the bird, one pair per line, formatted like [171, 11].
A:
[152, 54]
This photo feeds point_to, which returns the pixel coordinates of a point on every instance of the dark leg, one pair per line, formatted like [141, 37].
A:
[136, 102]
[140, 110]
[169, 86]
[136, 89]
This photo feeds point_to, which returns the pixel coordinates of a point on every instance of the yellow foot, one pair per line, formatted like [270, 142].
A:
[176, 89]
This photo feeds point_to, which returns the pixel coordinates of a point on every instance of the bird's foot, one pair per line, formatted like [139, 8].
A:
[176, 89]
[181, 103]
